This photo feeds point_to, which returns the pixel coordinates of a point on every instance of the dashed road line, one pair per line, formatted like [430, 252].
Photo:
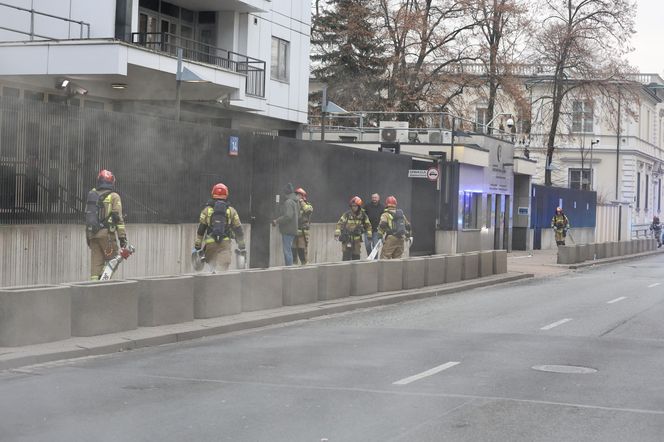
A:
[613, 301]
[556, 324]
[424, 374]
[654, 285]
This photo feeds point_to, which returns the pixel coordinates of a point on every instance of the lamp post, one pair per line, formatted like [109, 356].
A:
[592, 175]
[183, 75]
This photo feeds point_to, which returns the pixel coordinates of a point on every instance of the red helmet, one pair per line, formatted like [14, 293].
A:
[219, 191]
[391, 201]
[356, 200]
[301, 191]
[106, 176]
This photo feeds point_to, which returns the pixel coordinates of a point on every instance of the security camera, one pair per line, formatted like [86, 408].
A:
[594, 141]
[510, 123]
[80, 91]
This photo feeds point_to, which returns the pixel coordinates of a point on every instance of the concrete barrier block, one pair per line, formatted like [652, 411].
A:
[615, 249]
[486, 263]
[102, 307]
[217, 294]
[454, 268]
[435, 270]
[364, 277]
[390, 275]
[334, 280]
[165, 300]
[300, 285]
[652, 244]
[630, 247]
[262, 289]
[601, 250]
[567, 254]
[624, 248]
[34, 314]
[414, 273]
[581, 250]
[499, 262]
[471, 265]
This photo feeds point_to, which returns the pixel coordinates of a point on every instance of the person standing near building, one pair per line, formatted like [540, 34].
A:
[103, 223]
[395, 228]
[560, 225]
[301, 242]
[350, 228]
[656, 228]
[374, 210]
[288, 223]
[218, 223]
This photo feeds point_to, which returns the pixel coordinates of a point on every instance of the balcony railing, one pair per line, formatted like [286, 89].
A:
[252, 68]
[84, 28]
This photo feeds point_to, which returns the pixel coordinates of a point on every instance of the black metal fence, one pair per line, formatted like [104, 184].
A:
[50, 156]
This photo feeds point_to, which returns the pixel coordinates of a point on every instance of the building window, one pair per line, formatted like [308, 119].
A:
[647, 189]
[488, 211]
[481, 119]
[280, 55]
[580, 179]
[11, 92]
[638, 190]
[582, 116]
[32, 95]
[471, 209]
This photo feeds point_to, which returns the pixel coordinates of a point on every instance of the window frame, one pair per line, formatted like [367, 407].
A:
[471, 210]
[280, 71]
[583, 116]
[578, 184]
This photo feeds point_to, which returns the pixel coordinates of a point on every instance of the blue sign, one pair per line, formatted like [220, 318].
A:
[233, 145]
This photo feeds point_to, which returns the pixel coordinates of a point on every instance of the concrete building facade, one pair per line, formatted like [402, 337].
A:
[244, 61]
[610, 143]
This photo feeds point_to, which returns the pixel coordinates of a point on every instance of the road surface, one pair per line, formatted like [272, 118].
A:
[578, 357]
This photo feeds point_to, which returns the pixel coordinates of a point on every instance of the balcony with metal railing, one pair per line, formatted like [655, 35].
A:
[28, 23]
[164, 42]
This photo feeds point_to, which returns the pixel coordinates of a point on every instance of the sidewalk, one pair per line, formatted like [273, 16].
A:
[543, 263]
[13, 357]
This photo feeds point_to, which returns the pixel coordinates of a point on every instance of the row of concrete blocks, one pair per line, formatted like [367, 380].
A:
[588, 252]
[37, 314]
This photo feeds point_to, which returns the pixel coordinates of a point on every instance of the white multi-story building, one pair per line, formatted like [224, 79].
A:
[610, 143]
[245, 62]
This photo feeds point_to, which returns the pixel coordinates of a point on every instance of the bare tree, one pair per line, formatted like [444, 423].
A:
[503, 26]
[425, 38]
[583, 41]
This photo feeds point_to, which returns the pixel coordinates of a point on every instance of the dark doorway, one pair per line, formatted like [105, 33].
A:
[423, 216]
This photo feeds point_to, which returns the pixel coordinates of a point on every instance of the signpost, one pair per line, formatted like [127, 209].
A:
[432, 174]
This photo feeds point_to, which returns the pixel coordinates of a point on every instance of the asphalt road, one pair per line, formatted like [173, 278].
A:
[452, 368]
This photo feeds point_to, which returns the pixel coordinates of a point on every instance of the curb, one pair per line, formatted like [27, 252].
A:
[612, 260]
[117, 342]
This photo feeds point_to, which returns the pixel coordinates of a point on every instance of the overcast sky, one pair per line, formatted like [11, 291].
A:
[648, 42]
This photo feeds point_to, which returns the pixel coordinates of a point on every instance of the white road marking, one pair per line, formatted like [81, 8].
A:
[617, 300]
[555, 324]
[654, 285]
[424, 374]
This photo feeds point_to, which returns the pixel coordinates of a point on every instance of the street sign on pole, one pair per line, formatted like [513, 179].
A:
[432, 174]
[417, 173]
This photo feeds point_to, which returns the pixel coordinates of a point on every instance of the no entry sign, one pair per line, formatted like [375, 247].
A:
[432, 174]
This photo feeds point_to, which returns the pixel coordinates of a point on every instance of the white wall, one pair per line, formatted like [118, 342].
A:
[100, 14]
[57, 253]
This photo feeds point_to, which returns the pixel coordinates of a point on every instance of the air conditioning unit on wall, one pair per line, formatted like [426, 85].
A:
[393, 131]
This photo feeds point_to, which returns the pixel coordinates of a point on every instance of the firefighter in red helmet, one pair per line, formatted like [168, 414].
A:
[218, 223]
[103, 223]
[395, 228]
[350, 228]
[301, 241]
